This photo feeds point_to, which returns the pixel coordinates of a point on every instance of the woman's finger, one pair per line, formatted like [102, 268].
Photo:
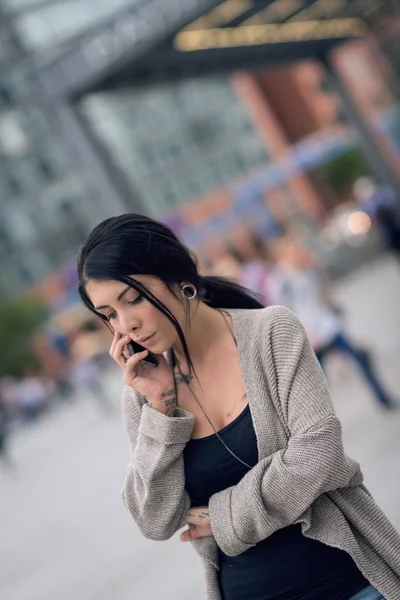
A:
[189, 535]
[194, 533]
[119, 352]
[121, 361]
[126, 353]
[134, 360]
[117, 336]
[121, 349]
[131, 366]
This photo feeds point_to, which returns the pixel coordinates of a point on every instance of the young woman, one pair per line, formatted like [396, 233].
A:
[233, 433]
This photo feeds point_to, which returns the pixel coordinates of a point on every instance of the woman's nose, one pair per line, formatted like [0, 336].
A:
[127, 323]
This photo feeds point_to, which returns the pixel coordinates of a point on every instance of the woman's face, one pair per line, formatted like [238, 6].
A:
[131, 314]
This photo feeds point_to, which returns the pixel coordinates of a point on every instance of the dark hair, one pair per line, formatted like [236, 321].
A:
[132, 244]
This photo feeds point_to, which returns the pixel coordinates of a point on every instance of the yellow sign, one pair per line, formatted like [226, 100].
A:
[269, 33]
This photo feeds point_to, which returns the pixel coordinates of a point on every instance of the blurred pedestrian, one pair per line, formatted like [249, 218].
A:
[32, 397]
[225, 265]
[255, 274]
[231, 428]
[382, 205]
[5, 458]
[302, 285]
[87, 376]
[64, 390]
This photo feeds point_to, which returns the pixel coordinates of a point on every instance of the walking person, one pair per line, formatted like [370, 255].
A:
[88, 376]
[233, 433]
[5, 457]
[302, 285]
[255, 274]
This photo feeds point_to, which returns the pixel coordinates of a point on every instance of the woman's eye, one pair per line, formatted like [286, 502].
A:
[136, 300]
[131, 302]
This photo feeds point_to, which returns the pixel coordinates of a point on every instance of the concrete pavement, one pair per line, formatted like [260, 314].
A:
[64, 531]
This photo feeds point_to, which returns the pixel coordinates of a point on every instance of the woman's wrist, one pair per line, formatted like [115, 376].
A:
[165, 403]
[198, 520]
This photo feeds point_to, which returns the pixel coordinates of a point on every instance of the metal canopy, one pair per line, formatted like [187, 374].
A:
[126, 38]
[166, 39]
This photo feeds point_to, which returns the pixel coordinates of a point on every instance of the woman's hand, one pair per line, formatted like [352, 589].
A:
[155, 384]
[198, 520]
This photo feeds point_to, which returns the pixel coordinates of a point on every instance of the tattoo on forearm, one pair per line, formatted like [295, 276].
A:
[169, 398]
[201, 516]
[171, 402]
[204, 515]
[145, 401]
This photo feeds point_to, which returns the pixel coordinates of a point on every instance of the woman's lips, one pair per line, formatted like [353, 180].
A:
[144, 340]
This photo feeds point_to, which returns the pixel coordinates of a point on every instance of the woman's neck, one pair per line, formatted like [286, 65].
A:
[206, 327]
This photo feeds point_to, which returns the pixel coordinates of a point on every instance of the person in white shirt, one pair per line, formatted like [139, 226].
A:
[300, 283]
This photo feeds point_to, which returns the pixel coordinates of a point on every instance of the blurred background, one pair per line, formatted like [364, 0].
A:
[266, 134]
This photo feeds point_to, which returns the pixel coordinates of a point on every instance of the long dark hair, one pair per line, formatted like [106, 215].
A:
[131, 244]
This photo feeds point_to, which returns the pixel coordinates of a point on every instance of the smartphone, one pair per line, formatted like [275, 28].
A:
[150, 359]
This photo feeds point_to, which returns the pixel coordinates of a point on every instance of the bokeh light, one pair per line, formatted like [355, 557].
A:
[359, 223]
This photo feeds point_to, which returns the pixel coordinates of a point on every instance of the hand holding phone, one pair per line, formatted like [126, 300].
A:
[150, 359]
[155, 385]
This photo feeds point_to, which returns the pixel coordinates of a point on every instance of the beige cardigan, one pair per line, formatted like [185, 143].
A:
[303, 475]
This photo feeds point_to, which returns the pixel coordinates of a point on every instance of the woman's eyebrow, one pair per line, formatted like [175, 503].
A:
[122, 294]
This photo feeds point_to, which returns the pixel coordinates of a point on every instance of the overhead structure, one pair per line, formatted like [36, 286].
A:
[164, 40]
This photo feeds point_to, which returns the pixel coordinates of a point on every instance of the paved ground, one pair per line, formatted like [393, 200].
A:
[64, 532]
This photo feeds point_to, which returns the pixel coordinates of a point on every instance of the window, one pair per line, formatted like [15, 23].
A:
[8, 46]
[13, 140]
[19, 226]
[176, 141]
[34, 122]
[46, 169]
[57, 22]
[46, 166]
[4, 237]
[13, 185]
[6, 97]
[10, 5]
[36, 265]
[17, 83]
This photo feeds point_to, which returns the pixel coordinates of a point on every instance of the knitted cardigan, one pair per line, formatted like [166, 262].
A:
[303, 475]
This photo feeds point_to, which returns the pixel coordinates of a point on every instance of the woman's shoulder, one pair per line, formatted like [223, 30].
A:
[275, 327]
[275, 316]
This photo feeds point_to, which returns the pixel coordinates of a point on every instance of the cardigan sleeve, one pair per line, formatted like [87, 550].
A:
[154, 490]
[280, 488]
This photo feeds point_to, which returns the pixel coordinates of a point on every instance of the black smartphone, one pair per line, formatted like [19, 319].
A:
[150, 359]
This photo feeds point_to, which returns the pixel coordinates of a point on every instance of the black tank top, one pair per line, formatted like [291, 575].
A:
[285, 566]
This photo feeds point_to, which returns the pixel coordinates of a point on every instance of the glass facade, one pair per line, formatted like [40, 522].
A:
[42, 201]
[177, 141]
[58, 21]
[47, 204]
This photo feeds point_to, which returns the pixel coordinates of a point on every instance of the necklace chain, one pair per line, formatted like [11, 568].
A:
[186, 380]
